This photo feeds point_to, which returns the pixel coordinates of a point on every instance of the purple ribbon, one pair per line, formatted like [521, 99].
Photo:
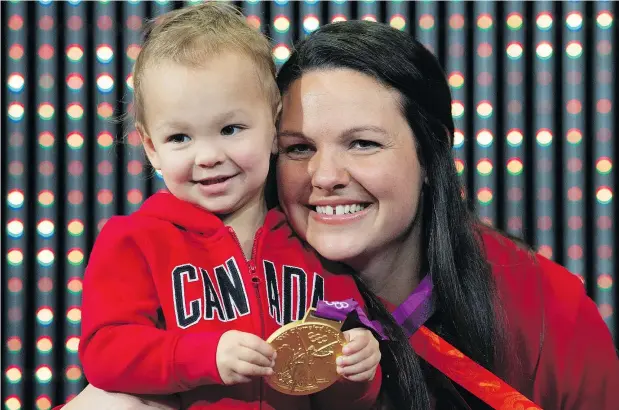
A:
[411, 314]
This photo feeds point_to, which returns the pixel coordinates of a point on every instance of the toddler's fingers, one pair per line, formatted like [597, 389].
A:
[255, 357]
[253, 342]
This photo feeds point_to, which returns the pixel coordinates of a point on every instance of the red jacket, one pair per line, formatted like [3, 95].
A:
[174, 263]
[568, 360]
[562, 354]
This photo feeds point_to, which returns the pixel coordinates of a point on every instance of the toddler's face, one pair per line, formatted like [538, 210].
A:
[210, 131]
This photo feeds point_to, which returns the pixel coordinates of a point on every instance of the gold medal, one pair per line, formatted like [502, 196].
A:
[306, 353]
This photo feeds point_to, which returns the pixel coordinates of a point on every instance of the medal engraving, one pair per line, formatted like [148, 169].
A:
[306, 354]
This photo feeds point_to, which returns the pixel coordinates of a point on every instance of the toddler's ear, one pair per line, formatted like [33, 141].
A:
[148, 145]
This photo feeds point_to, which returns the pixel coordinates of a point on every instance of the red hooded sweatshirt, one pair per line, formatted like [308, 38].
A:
[162, 286]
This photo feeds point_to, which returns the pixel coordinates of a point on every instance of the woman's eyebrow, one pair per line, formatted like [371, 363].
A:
[371, 128]
[293, 134]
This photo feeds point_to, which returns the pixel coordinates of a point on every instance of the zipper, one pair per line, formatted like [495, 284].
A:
[255, 281]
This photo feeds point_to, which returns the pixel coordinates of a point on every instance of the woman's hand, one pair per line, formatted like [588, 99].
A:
[92, 398]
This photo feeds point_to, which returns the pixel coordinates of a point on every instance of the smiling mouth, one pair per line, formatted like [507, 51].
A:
[339, 209]
[213, 181]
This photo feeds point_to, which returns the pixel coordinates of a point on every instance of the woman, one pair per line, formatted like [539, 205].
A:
[366, 177]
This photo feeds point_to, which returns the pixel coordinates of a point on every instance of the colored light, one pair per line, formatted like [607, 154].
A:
[44, 402]
[281, 52]
[133, 50]
[456, 21]
[105, 110]
[574, 20]
[46, 198]
[15, 257]
[514, 21]
[75, 140]
[544, 50]
[13, 374]
[14, 344]
[369, 17]
[45, 228]
[459, 166]
[12, 403]
[605, 281]
[574, 136]
[15, 199]
[73, 373]
[514, 166]
[514, 50]
[484, 21]
[74, 315]
[484, 167]
[484, 196]
[43, 374]
[16, 52]
[484, 109]
[281, 24]
[544, 21]
[514, 138]
[254, 21]
[457, 109]
[458, 139]
[15, 228]
[45, 316]
[456, 80]
[15, 82]
[73, 344]
[45, 257]
[338, 18]
[426, 22]
[44, 344]
[46, 111]
[16, 111]
[397, 21]
[573, 49]
[484, 138]
[604, 19]
[75, 81]
[75, 227]
[544, 137]
[75, 257]
[75, 53]
[105, 53]
[75, 285]
[604, 165]
[105, 83]
[105, 139]
[604, 195]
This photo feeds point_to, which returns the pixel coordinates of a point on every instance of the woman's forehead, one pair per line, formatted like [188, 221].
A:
[344, 97]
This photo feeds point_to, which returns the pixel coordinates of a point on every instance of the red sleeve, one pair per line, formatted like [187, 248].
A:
[349, 395]
[121, 349]
[579, 368]
[592, 363]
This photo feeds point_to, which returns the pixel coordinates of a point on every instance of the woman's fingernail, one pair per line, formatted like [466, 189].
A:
[339, 361]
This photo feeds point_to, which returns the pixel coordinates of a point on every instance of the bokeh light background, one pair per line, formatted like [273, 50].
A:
[534, 93]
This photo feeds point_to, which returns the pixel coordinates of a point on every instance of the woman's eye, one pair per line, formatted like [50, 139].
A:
[179, 138]
[364, 144]
[231, 130]
[297, 149]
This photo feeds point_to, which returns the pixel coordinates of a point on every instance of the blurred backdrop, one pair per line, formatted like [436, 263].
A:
[534, 91]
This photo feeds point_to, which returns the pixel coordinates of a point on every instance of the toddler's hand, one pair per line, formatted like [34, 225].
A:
[361, 356]
[242, 355]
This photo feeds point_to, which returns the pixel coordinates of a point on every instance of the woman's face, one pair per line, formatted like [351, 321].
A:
[348, 173]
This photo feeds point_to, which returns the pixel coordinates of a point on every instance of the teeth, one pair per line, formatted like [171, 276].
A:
[340, 209]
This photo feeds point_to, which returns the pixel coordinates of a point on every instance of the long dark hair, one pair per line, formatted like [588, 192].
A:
[464, 287]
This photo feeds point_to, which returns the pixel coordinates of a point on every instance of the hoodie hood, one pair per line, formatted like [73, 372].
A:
[167, 207]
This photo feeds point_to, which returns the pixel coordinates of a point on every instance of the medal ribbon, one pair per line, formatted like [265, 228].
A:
[411, 315]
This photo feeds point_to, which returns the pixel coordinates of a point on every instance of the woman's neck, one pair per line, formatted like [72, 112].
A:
[393, 272]
[246, 221]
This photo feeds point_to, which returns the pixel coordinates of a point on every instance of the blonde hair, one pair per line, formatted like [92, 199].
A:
[191, 35]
